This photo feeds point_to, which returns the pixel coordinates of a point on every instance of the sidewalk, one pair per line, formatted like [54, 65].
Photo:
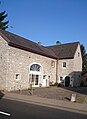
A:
[58, 104]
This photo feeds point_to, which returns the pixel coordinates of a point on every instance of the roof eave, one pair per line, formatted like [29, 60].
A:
[66, 58]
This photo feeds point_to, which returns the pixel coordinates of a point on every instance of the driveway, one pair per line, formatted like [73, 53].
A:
[57, 93]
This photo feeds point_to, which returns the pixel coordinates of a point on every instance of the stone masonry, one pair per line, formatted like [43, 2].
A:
[73, 68]
[17, 61]
[15, 66]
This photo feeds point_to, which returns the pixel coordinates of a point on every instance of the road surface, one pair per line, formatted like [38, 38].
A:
[10, 109]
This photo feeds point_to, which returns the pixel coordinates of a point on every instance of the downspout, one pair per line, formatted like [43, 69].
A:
[57, 71]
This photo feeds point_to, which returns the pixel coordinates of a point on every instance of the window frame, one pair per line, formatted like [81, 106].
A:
[17, 76]
[35, 67]
[64, 65]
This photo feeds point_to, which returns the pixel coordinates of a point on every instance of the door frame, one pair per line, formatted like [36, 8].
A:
[67, 81]
[31, 72]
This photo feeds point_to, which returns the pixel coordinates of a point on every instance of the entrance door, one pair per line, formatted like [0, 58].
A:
[45, 81]
[67, 81]
[34, 79]
[34, 75]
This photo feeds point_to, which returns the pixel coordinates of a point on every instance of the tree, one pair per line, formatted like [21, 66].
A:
[3, 24]
[84, 58]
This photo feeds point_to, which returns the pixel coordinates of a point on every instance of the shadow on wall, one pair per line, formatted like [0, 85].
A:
[74, 82]
[75, 78]
[71, 80]
[1, 95]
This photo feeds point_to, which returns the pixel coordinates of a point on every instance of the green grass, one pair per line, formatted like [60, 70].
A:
[80, 100]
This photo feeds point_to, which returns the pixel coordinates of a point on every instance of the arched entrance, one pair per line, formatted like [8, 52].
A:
[34, 75]
[67, 81]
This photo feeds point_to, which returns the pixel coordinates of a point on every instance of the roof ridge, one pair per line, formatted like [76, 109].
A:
[65, 50]
[64, 44]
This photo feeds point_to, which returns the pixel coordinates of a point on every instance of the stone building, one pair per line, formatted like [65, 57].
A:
[23, 62]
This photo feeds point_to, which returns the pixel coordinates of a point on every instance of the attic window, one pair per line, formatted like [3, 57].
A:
[78, 54]
[35, 67]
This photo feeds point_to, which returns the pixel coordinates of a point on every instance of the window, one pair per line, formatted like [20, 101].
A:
[53, 63]
[33, 79]
[61, 78]
[36, 80]
[78, 54]
[49, 77]
[34, 76]
[44, 76]
[17, 76]
[35, 67]
[64, 64]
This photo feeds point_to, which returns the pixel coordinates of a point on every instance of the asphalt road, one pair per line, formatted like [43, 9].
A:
[10, 109]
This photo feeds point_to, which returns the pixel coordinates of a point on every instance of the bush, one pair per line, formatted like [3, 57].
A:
[82, 83]
[60, 85]
[56, 84]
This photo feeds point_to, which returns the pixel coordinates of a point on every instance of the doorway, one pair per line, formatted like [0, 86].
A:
[67, 81]
[34, 75]
[34, 79]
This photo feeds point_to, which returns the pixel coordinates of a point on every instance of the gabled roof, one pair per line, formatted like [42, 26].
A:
[22, 43]
[62, 51]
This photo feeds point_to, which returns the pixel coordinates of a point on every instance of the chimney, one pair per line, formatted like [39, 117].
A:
[39, 43]
[58, 43]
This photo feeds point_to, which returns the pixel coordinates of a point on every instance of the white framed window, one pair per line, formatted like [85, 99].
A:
[64, 64]
[17, 76]
[44, 76]
[35, 67]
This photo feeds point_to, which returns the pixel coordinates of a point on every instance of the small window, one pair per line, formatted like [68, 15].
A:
[36, 80]
[49, 77]
[35, 67]
[17, 76]
[44, 76]
[52, 63]
[78, 54]
[61, 78]
[64, 64]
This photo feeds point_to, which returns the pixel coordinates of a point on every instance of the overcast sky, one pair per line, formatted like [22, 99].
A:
[48, 21]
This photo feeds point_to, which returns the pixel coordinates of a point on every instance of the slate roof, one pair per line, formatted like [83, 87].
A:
[25, 44]
[63, 51]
